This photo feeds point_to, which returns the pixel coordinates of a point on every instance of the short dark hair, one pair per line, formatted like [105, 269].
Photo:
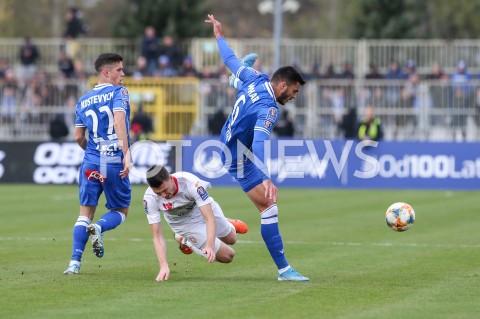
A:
[106, 59]
[288, 74]
[156, 175]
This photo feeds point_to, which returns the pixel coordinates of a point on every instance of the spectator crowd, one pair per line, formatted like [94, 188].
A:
[25, 88]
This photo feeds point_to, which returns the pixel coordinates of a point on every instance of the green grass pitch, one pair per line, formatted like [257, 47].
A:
[358, 267]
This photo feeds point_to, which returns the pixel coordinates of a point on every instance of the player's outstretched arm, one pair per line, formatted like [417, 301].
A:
[228, 56]
[217, 26]
[207, 214]
[161, 251]
[248, 61]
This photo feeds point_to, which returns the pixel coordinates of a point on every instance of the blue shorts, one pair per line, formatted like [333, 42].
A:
[92, 183]
[251, 177]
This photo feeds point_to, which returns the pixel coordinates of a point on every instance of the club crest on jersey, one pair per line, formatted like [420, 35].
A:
[272, 114]
[168, 206]
[124, 93]
[202, 192]
[267, 124]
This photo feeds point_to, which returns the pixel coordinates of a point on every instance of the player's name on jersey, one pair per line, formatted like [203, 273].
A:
[97, 99]
[252, 94]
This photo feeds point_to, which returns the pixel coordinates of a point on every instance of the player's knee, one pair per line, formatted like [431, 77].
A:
[231, 239]
[226, 256]
[230, 256]
[264, 203]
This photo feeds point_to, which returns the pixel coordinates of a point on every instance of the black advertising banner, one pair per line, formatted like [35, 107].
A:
[58, 163]
[16, 162]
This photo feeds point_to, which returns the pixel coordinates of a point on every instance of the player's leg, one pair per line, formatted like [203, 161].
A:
[269, 225]
[89, 193]
[80, 239]
[118, 195]
[183, 248]
[225, 253]
[196, 233]
[239, 226]
[225, 230]
[252, 184]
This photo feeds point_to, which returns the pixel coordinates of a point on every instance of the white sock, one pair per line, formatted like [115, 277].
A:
[281, 271]
[232, 227]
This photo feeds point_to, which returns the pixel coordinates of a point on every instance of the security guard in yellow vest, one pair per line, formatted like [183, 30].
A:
[370, 128]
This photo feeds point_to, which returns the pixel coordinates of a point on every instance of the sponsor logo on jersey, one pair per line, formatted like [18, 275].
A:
[93, 174]
[168, 206]
[202, 192]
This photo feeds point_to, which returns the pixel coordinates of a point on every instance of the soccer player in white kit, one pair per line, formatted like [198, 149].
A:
[191, 213]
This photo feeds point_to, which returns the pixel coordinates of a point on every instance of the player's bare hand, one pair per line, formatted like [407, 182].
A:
[217, 26]
[126, 167]
[164, 274]
[271, 191]
[209, 254]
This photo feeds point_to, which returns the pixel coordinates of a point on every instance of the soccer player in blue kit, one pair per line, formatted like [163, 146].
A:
[244, 133]
[105, 113]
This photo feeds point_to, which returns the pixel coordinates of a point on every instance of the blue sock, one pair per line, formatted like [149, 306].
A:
[110, 220]
[271, 236]
[80, 237]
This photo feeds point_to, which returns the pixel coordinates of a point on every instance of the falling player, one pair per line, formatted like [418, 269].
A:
[191, 213]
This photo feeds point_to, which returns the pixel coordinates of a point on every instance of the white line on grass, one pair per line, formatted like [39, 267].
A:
[253, 242]
[59, 198]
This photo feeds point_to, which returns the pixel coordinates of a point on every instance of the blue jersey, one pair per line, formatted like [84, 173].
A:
[253, 116]
[94, 111]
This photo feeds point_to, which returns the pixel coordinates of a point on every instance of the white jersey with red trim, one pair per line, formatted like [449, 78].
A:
[191, 194]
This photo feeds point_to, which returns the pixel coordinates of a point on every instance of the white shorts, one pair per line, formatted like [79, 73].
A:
[195, 228]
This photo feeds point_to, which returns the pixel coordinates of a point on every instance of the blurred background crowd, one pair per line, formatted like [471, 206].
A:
[412, 97]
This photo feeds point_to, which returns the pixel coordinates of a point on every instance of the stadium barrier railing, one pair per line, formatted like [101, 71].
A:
[422, 111]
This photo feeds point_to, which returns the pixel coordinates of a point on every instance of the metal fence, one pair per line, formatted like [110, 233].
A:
[424, 111]
[414, 109]
[427, 110]
[307, 54]
[315, 55]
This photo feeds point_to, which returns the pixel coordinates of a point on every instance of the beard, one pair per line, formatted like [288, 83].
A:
[282, 98]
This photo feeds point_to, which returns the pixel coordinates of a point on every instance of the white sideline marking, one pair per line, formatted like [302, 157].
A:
[253, 242]
[59, 198]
